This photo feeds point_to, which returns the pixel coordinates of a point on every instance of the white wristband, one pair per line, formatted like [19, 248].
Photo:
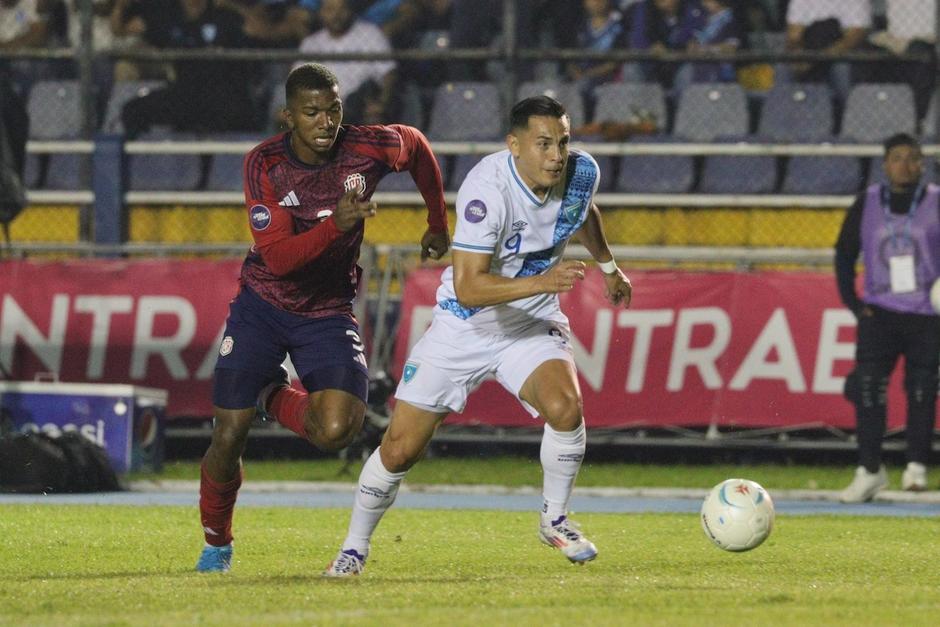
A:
[607, 267]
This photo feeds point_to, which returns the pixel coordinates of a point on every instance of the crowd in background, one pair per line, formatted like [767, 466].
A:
[232, 94]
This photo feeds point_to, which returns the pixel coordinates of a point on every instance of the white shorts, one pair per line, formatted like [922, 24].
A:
[454, 357]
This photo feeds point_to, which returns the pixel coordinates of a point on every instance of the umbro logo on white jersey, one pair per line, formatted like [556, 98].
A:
[518, 225]
[290, 200]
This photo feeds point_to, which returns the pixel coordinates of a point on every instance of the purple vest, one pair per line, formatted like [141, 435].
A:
[885, 234]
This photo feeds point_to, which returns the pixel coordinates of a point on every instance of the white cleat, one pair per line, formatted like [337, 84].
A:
[864, 486]
[348, 563]
[914, 478]
[565, 536]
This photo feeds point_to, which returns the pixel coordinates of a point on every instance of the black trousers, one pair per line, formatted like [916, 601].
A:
[883, 337]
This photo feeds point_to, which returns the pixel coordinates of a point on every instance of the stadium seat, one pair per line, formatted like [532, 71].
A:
[710, 110]
[746, 174]
[462, 166]
[55, 110]
[225, 170]
[655, 174]
[121, 93]
[403, 181]
[822, 175]
[566, 93]
[928, 127]
[796, 112]
[877, 110]
[618, 102]
[468, 111]
[172, 172]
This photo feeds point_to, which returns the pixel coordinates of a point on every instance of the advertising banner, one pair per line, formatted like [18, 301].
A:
[729, 349]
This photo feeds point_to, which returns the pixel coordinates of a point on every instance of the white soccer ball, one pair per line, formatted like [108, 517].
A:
[737, 515]
[935, 295]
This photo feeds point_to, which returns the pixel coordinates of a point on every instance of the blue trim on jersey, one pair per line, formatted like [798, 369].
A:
[579, 188]
[525, 188]
[487, 249]
[453, 306]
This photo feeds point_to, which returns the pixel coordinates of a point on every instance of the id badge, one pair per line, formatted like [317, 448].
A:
[903, 280]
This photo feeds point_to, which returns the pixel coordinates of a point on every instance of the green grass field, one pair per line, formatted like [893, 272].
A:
[117, 565]
[525, 471]
[78, 565]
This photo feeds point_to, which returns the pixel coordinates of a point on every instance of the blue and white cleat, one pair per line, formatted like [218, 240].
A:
[215, 559]
[564, 535]
[261, 405]
[348, 563]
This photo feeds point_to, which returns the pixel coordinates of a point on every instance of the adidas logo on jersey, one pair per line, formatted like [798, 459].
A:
[290, 200]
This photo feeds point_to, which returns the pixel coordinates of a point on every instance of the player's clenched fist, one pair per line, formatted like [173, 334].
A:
[350, 209]
[562, 277]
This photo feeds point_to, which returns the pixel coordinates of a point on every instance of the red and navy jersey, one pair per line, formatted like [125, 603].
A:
[301, 262]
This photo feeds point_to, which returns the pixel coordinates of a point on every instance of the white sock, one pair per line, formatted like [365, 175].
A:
[374, 495]
[561, 454]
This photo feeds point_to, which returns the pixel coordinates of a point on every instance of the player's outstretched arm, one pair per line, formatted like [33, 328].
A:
[591, 235]
[477, 287]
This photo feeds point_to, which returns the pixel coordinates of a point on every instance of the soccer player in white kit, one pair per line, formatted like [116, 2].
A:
[498, 315]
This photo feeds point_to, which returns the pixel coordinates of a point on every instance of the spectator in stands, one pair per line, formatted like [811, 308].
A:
[834, 26]
[479, 23]
[275, 23]
[370, 85]
[661, 26]
[409, 25]
[720, 32]
[22, 25]
[203, 95]
[911, 29]
[896, 228]
[601, 30]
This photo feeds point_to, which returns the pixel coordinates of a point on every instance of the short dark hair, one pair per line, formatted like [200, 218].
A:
[900, 139]
[536, 105]
[309, 76]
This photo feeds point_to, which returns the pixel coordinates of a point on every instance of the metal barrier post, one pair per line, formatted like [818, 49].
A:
[107, 180]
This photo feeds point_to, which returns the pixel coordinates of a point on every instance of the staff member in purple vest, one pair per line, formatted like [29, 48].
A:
[896, 228]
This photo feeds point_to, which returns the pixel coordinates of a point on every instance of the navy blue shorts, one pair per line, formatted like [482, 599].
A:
[326, 352]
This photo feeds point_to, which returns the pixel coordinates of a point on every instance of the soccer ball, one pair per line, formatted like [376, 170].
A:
[737, 515]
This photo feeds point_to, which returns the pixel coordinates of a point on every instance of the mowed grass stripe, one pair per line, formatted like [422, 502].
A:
[119, 565]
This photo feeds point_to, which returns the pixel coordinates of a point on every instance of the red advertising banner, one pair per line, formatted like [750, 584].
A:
[695, 349]
[153, 323]
[754, 350]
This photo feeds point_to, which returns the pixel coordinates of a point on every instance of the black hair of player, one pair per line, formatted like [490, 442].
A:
[534, 106]
[309, 76]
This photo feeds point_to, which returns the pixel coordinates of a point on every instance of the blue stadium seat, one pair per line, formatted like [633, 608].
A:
[156, 172]
[55, 110]
[618, 102]
[655, 174]
[730, 174]
[403, 182]
[877, 110]
[225, 170]
[929, 123]
[468, 111]
[565, 93]
[796, 112]
[462, 166]
[822, 175]
[710, 110]
[121, 93]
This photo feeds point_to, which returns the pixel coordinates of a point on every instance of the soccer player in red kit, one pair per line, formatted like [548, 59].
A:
[307, 193]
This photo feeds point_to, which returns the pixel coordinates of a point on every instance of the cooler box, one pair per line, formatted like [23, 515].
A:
[126, 420]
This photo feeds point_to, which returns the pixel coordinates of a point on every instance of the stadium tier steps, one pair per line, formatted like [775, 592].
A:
[470, 112]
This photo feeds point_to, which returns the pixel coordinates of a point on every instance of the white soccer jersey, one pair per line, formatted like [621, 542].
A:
[497, 213]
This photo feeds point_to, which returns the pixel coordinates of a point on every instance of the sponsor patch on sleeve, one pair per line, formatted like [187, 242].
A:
[475, 211]
[260, 217]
